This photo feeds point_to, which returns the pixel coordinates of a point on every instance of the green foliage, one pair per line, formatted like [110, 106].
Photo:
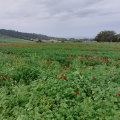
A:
[60, 81]
[106, 36]
[25, 73]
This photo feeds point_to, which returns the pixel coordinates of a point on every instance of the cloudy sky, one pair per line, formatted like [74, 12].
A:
[60, 18]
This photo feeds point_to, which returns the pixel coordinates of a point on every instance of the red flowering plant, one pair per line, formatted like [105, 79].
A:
[85, 67]
[77, 93]
[65, 68]
[65, 84]
[5, 80]
[63, 77]
[119, 94]
[94, 78]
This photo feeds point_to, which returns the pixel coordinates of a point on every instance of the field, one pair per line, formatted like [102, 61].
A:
[60, 81]
[5, 39]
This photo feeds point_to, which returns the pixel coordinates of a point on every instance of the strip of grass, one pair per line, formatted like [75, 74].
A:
[5, 39]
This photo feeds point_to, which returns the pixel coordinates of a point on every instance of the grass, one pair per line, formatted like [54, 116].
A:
[5, 39]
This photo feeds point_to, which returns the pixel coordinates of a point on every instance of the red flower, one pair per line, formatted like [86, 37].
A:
[61, 77]
[93, 78]
[119, 94]
[55, 75]
[65, 78]
[77, 93]
[104, 59]
[9, 65]
[85, 67]
[8, 78]
[87, 57]
[1, 74]
[64, 68]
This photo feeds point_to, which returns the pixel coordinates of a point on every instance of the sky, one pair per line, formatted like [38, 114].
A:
[61, 18]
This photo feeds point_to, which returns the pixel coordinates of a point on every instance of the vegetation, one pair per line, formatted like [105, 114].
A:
[107, 36]
[103, 36]
[6, 39]
[21, 35]
[60, 81]
[36, 37]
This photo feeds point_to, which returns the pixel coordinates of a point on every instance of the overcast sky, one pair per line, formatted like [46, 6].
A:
[60, 18]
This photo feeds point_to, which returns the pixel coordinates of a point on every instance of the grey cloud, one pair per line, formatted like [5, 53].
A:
[67, 9]
[73, 8]
[58, 16]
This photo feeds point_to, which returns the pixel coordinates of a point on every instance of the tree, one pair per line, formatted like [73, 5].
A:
[106, 36]
[118, 37]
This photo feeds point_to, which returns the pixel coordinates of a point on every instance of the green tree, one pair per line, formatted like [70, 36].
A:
[106, 36]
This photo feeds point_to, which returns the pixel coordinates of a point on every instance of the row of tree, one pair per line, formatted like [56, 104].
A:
[107, 36]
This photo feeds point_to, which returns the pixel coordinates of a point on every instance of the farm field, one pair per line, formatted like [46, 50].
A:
[60, 81]
[5, 39]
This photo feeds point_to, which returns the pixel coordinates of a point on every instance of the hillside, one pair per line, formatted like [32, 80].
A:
[36, 37]
[25, 36]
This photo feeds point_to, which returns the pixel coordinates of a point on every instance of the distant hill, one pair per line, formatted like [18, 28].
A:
[37, 37]
[25, 36]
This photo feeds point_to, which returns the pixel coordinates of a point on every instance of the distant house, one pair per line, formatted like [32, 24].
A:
[52, 40]
[35, 40]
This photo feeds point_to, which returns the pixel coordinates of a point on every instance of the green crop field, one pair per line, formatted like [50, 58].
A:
[60, 81]
[5, 39]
